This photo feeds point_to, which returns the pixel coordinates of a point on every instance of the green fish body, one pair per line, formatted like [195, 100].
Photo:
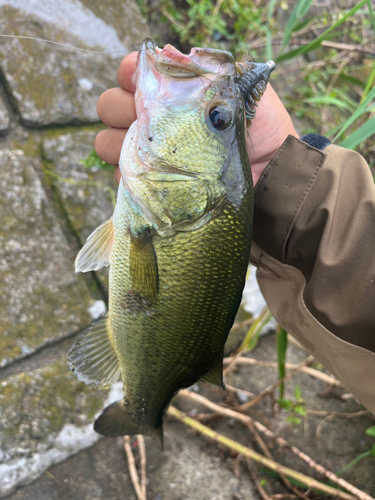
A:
[178, 243]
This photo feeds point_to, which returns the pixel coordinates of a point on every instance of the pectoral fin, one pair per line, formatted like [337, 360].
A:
[93, 358]
[96, 253]
[215, 375]
[143, 266]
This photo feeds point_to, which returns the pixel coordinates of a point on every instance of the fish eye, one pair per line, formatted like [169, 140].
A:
[220, 117]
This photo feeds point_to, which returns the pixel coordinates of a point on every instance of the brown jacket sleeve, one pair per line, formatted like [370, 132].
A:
[314, 246]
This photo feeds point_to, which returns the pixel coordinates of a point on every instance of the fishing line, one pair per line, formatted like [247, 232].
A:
[65, 45]
[251, 142]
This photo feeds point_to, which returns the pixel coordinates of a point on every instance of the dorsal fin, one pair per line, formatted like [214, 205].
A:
[96, 253]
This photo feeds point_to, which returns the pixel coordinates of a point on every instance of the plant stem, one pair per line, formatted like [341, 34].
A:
[253, 455]
[245, 419]
[353, 462]
[304, 369]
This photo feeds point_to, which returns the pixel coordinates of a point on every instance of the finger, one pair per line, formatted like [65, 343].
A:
[117, 175]
[116, 108]
[126, 71]
[108, 144]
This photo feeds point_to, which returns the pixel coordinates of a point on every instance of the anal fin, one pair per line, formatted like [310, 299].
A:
[93, 358]
[215, 375]
[96, 252]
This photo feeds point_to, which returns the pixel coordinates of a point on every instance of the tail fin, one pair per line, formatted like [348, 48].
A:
[115, 421]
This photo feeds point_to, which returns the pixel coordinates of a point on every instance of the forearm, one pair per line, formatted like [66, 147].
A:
[314, 242]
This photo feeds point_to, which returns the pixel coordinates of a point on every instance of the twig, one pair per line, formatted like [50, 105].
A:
[271, 388]
[263, 446]
[332, 415]
[329, 379]
[142, 455]
[322, 413]
[165, 13]
[132, 468]
[253, 455]
[53, 477]
[243, 323]
[332, 83]
[349, 47]
[280, 441]
[256, 481]
[239, 391]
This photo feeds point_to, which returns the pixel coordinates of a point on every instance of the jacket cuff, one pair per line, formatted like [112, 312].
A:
[316, 141]
[280, 193]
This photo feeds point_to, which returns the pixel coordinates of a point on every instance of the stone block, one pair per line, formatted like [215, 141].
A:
[45, 416]
[55, 84]
[41, 298]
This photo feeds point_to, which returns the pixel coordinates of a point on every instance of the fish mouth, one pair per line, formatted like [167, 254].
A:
[200, 62]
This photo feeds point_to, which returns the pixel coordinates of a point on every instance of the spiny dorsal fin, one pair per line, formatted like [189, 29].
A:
[143, 266]
[93, 358]
[215, 375]
[96, 253]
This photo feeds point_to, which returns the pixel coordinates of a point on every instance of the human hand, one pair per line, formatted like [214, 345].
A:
[116, 108]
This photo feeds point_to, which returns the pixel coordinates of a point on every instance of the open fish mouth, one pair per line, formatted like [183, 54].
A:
[251, 78]
[170, 61]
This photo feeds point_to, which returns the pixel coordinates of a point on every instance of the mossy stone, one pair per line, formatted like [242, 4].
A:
[86, 195]
[46, 415]
[52, 84]
[41, 298]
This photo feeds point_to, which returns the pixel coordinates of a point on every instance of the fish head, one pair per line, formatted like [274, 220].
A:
[188, 108]
[185, 156]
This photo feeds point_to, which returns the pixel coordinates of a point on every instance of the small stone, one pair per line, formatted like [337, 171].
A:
[4, 117]
[85, 84]
[97, 309]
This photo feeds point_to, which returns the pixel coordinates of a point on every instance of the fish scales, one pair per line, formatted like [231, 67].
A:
[178, 242]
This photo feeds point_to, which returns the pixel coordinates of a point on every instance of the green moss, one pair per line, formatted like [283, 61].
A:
[31, 146]
[52, 393]
[55, 132]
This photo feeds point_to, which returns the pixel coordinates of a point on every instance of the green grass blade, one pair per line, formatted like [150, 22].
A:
[353, 462]
[317, 42]
[251, 339]
[359, 135]
[299, 26]
[371, 12]
[357, 113]
[330, 100]
[301, 9]
[369, 84]
[270, 10]
[281, 344]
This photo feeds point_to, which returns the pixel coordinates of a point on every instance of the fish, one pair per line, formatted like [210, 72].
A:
[178, 243]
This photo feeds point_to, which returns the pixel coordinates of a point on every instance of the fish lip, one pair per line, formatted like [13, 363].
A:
[173, 63]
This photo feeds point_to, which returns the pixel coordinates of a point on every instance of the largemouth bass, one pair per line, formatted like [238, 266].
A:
[179, 240]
